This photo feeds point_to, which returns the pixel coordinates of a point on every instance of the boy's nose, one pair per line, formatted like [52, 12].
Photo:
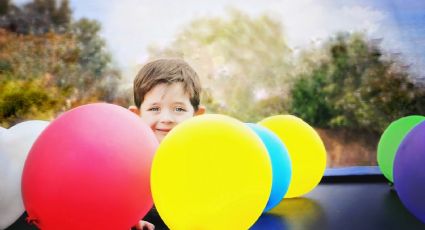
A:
[166, 117]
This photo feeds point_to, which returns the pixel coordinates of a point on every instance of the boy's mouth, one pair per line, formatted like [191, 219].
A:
[163, 130]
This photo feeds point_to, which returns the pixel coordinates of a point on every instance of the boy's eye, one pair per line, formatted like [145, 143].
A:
[153, 109]
[180, 109]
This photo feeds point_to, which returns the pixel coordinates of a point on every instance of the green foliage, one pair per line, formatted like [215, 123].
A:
[357, 87]
[31, 56]
[62, 15]
[4, 7]
[243, 62]
[270, 106]
[93, 56]
[48, 63]
[34, 99]
[36, 17]
[309, 98]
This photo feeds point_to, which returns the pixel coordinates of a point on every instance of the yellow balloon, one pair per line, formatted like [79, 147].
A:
[211, 172]
[306, 150]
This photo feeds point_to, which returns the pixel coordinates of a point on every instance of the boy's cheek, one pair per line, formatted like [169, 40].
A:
[148, 121]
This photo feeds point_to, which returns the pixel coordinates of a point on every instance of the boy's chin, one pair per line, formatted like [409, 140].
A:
[160, 136]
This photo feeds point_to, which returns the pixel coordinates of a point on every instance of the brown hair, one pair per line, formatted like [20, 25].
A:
[167, 71]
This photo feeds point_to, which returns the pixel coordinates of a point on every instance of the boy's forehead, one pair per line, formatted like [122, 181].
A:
[174, 92]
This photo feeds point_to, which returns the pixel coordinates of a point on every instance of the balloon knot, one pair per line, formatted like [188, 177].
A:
[34, 221]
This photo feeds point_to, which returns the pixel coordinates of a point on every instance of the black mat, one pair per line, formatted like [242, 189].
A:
[348, 198]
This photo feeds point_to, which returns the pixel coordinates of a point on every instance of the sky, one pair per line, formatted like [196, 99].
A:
[130, 26]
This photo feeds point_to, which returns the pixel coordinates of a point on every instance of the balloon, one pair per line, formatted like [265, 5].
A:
[306, 150]
[281, 164]
[90, 169]
[409, 171]
[15, 143]
[391, 139]
[211, 172]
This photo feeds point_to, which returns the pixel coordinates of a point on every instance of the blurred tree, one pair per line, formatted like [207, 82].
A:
[356, 86]
[309, 98]
[32, 56]
[61, 17]
[93, 55]
[37, 17]
[244, 63]
[41, 46]
[23, 100]
[4, 7]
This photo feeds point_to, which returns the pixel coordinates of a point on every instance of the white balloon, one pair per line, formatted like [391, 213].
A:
[15, 143]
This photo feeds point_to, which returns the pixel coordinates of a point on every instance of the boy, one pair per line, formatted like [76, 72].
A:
[166, 92]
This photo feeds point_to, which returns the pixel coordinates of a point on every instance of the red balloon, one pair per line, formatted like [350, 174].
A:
[90, 169]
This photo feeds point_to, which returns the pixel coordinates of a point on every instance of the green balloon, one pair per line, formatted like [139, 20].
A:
[391, 139]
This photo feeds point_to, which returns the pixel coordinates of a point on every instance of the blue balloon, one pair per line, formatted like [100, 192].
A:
[281, 164]
[409, 171]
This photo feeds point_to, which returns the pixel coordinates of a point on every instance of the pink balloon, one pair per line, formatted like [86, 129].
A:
[90, 169]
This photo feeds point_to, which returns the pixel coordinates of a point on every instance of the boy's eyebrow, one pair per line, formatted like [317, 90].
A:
[179, 103]
[174, 103]
[153, 103]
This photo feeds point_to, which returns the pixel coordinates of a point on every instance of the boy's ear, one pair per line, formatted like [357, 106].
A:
[134, 109]
[201, 110]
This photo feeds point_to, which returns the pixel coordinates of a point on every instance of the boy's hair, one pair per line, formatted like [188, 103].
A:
[167, 71]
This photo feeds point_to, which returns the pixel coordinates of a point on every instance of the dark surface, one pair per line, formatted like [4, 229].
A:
[347, 198]
[153, 217]
[350, 198]
[21, 224]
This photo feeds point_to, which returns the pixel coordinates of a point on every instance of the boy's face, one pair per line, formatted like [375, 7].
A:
[164, 107]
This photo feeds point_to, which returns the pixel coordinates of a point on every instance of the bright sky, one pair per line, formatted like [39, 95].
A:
[129, 26]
